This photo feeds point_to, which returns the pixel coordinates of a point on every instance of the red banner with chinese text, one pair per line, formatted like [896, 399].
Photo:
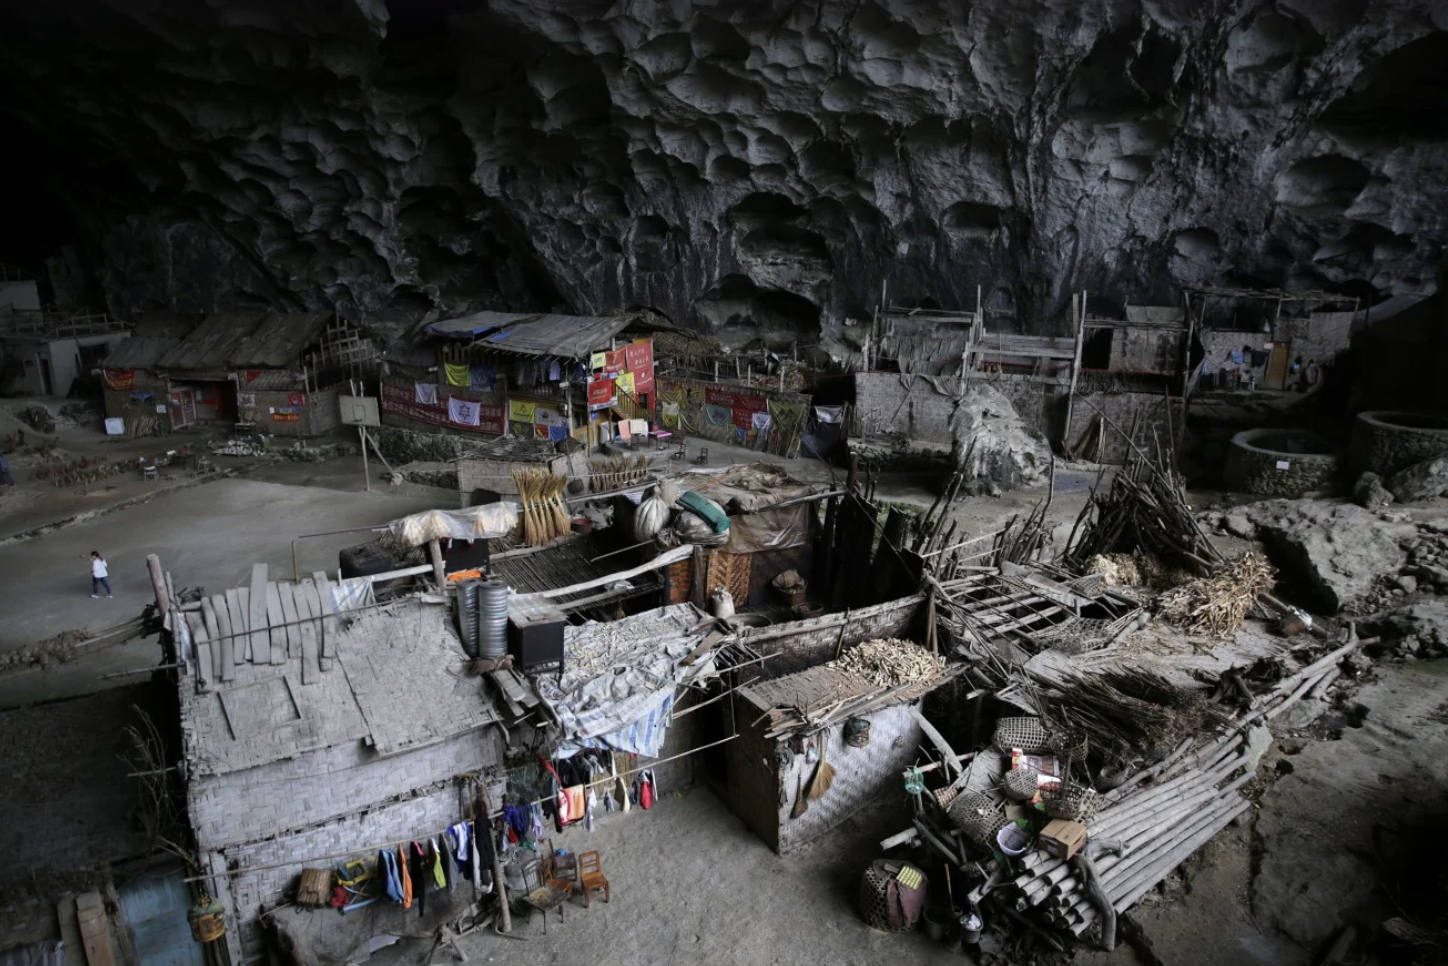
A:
[402, 401]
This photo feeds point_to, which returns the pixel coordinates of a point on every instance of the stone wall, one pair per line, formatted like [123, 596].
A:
[1268, 462]
[1382, 444]
[921, 407]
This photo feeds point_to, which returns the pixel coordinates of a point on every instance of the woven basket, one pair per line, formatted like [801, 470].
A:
[1070, 746]
[1019, 784]
[1073, 802]
[1027, 734]
[978, 818]
[872, 895]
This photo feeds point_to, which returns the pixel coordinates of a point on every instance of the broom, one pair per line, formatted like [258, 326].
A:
[824, 776]
[801, 805]
[560, 509]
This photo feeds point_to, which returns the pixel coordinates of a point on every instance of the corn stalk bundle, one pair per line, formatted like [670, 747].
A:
[887, 662]
[544, 515]
[1218, 604]
[1128, 707]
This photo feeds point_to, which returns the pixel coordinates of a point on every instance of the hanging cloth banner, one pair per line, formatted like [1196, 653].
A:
[626, 381]
[599, 360]
[119, 380]
[458, 375]
[462, 411]
[639, 359]
[760, 421]
[482, 378]
[522, 410]
[600, 392]
[425, 393]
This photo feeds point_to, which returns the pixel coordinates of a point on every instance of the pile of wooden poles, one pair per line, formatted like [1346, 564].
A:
[1145, 509]
[543, 515]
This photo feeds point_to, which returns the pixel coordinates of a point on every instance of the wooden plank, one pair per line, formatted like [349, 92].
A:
[307, 631]
[95, 929]
[236, 617]
[257, 620]
[243, 601]
[308, 589]
[329, 617]
[205, 673]
[276, 647]
[72, 945]
[227, 667]
[213, 634]
[293, 633]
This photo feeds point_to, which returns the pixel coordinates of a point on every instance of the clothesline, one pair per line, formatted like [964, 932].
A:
[365, 849]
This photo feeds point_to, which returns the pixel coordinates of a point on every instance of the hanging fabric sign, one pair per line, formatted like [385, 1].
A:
[457, 375]
[626, 381]
[464, 412]
[280, 417]
[425, 393]
[522, 410]
[760, 421]
[296, 399]
[599, 360]
[600, 392]
[246, 400]
[401, 400]
[119, 380]
[639, 360]
[482, 377]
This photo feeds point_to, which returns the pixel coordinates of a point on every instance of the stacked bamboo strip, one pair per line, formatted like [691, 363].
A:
[616, 472]
[543, 516]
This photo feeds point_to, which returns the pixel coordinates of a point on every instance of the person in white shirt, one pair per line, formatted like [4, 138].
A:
[99, 573]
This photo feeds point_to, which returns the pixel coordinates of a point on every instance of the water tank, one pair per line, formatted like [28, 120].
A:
[467, 611]
[492, 619]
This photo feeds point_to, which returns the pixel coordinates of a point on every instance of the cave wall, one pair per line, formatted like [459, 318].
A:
[755, 169]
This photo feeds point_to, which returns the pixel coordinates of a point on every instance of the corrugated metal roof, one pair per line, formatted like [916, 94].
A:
[137, 353]
[247, 340]
[569, 336]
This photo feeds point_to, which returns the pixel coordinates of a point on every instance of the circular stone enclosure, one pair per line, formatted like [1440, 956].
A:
[1389, 442]
[1279, 462]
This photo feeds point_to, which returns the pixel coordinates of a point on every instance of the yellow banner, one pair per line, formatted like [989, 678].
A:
[522, 410]
[599, 361]
[456, 375]
[626, 381]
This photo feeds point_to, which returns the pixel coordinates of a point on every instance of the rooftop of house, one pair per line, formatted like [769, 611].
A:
[396, 683]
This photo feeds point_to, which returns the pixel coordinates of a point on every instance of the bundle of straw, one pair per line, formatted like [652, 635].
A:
[544, 515]
[1128, 707]
[1218, 604]
[614, 472]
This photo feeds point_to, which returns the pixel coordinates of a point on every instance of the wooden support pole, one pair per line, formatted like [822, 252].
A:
[439, 572]
[158, 585]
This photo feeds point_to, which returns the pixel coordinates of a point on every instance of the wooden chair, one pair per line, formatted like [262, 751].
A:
[591, 877]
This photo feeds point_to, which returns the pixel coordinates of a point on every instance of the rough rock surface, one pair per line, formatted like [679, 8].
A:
[1319, 860]
[754, 168]
[1369, 492]
[1422, 481]
[1333, 553]
[993, 446]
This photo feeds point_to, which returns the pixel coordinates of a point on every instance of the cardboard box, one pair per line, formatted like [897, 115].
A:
[1063, 839]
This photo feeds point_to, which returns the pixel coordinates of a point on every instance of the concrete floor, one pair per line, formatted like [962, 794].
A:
[206, 536]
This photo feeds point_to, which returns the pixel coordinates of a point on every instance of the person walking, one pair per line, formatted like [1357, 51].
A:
[99, 573]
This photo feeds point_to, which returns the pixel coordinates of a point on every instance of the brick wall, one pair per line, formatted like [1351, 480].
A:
[1140, 349]
[1320, 336]
[257, 803]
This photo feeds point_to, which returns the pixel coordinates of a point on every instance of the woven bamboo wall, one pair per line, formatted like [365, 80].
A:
[766, 787]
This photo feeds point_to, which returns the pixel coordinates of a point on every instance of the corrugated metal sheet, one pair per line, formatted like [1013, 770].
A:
[138, 353]
[568, 336]
[247, 340]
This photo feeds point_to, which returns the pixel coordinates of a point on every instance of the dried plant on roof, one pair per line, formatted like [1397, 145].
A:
[1218, 604]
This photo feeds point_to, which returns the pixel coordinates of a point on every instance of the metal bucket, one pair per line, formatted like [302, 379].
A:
[492, 619]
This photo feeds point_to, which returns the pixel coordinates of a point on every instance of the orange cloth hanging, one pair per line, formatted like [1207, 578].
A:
[406, 878]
